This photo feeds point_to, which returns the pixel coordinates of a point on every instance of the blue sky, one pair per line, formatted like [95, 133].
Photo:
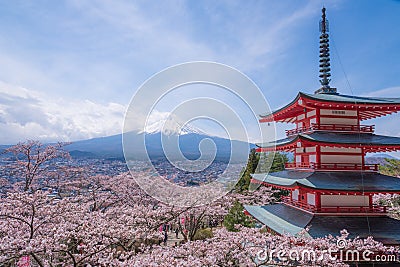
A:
[69, 68]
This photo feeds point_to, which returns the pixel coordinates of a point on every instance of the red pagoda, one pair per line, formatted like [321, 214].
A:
[330, 185]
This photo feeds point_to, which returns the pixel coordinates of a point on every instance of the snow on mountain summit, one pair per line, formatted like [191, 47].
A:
[170, 125]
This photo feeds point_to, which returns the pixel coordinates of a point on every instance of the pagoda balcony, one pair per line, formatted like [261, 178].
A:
[333, 166]
[332, 128]
[334, 209]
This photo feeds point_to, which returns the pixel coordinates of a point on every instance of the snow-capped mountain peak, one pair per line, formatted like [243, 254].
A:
[170, 126]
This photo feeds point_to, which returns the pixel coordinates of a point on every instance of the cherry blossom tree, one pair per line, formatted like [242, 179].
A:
[254, 247]
[99, 220]
[31, 160]
[112, 222]
[104, 217]
[75, 230]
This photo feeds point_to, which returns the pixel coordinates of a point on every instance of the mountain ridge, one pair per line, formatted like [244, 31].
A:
[111, 146]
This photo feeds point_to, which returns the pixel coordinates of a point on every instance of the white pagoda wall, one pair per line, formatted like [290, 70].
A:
[341, 159]
[346, 117]
[338, 155]
[344, 200]
[340, 149]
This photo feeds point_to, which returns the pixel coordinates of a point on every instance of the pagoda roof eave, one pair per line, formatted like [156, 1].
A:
[284, 219]
[280, 219]
[369, 107]
[332, 181]
[372, 142]
[274, 116]
[360, 100]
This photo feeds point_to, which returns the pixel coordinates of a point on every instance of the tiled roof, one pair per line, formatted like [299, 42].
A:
[342, 181]
[281, 218]
[342, 99]
[340, 138]
[285, 219]
[352, 99]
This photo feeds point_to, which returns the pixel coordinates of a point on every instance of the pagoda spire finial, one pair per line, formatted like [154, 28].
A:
[324, 57]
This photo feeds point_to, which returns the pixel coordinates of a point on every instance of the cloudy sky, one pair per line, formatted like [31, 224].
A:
[68, 69]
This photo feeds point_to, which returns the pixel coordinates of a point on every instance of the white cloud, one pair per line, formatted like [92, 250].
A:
[171, 33]
[26, 114]
[104, 50]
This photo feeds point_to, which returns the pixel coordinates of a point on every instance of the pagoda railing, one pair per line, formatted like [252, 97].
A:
[298, 165]
[333, 166]
[334, 209]
[332, 127]
[288, 200]
[357, 209]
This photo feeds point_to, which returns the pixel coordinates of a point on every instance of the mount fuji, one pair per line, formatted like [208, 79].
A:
[189, 139]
